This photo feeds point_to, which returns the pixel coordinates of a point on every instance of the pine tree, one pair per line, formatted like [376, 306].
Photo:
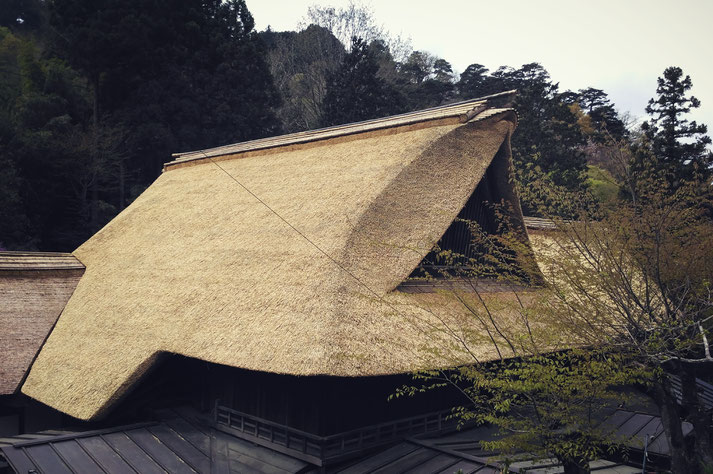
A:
[680, 146]
[474, 82]
[595, 103]
[547, 144]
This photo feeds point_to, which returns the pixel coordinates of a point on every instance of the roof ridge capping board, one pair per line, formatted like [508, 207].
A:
[464, 111]
[19, 260]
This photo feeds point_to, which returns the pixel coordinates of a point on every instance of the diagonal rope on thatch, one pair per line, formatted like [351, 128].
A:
[323, 252]
[379, 297]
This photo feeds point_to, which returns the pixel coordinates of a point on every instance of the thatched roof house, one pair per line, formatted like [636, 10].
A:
[34, 287]
[279, 255]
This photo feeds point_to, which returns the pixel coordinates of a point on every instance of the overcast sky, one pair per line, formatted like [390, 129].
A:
[620, 46]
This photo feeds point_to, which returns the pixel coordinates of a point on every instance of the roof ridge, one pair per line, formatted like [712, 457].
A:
[21, 260]
[465, 111]
[28, 253]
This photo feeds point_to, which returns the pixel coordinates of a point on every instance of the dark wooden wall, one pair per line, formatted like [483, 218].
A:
[319, 404]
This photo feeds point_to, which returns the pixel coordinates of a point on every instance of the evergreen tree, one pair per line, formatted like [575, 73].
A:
[547, 144]
[175, 74]
[356, 92]
[92, 106]
[442, 70]
[606, 121]
[474, 82]
[44, 141]
[680, 146]
[418, 67]
[436, 88]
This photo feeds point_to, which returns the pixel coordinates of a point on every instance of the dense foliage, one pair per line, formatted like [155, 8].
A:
[355, 92]
[97, 95]
[96, 98]
[626, 283]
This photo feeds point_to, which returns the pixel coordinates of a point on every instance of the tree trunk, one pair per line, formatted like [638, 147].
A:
[671, 421]
[697, 417]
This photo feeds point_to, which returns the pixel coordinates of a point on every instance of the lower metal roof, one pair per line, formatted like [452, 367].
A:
[176, 444]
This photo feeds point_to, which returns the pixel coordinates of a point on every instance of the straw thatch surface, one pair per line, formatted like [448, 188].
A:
[283, 261]
[34, 287]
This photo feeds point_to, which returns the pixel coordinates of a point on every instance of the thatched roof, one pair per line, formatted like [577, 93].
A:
[278, 255]
[34, 287]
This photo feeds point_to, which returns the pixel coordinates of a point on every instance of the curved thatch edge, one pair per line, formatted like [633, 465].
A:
[453, 166]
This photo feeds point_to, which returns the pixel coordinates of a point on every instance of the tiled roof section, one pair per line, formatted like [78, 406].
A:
[22, 438]
[451, 455]
[632, 428]
[414, 456]
[462, 450]
[19, 261]
[462, 111]
[34, 287]
[539, 223]
[177, 444]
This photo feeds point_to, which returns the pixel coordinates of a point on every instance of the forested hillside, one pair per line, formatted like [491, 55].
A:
[95, 96]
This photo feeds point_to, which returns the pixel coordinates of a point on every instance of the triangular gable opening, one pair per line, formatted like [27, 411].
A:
[460, 251]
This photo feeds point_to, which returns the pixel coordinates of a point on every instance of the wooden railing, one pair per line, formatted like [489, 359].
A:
[322, 450]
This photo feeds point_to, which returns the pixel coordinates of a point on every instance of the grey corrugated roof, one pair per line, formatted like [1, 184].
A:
[21, 438]
[462, 450]
[705, 390]
[413, 456]
[183, 444]
[633, 428]
[178, 444]
[438, 456]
